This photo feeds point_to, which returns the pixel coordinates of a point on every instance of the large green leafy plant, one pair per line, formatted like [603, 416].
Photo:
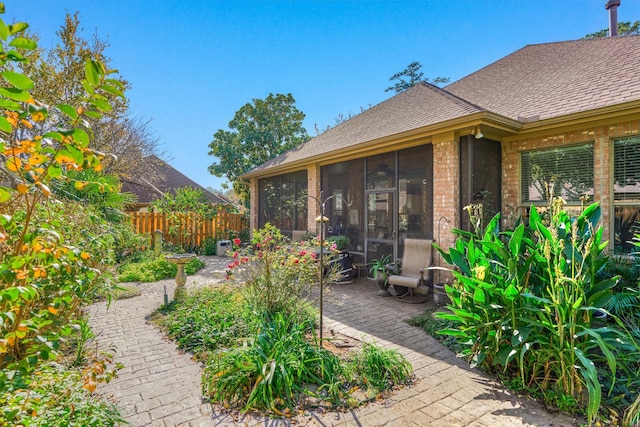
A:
[524, 303]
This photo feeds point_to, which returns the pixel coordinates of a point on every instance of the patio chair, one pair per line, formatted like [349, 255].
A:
[411, 283]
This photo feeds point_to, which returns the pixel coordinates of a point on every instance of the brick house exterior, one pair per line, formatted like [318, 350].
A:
[486, 135]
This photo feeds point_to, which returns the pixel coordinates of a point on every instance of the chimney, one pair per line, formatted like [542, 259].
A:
[612, 7]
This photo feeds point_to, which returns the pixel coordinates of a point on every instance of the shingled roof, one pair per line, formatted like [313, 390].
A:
[555, 79]
[534, 83]
[419, 106]
[163, 178]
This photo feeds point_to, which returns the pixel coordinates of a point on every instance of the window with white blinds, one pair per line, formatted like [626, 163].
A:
[567, 171]
[626, 167]
[626, 193]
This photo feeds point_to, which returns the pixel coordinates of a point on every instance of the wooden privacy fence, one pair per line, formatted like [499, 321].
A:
[188, 229]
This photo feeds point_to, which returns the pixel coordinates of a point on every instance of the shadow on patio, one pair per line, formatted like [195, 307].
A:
[357, 306]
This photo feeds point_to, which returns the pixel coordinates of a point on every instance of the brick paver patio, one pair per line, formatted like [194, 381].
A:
[159, 386]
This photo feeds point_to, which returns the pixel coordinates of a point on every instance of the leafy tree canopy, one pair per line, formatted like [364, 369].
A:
[260, 130]
[624, 29]
[57, 74]
[187, 199]
[411, 76]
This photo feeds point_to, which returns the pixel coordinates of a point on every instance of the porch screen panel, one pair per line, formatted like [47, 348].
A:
[278, 202]
[415, 193]
[287, 206]
[487, 176]
[626, 193]
[567, 172]
[381, 171]
[269, 201]
[344, 183]
[480, 179]
[302, 201]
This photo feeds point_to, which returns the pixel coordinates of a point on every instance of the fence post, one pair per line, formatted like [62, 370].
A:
[157, 243]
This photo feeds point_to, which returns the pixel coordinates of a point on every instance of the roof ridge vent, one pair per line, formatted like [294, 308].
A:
[529, 119]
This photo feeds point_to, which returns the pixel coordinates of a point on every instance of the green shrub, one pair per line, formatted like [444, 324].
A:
[275, 372]
[64, 253]
[524, 303]
[276, 275]
[193, 266]
[62, 393]
[150, 269]
[626, 293]
[128, 245]
[55, 396]
[206, 321]
[209, 246]
[376, 369]
[272, 362]
[147, 269]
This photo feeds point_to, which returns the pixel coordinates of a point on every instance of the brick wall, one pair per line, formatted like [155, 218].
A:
[446, 194]
[253, 210]
[600, 136]
[313, 188]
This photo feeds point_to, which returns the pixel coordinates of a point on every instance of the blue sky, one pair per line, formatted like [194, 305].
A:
[193, 64]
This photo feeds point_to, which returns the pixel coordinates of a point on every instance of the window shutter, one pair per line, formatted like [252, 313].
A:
[626, 185]
[569, 169]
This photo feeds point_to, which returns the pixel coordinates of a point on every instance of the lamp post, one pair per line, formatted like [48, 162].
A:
[321, 219]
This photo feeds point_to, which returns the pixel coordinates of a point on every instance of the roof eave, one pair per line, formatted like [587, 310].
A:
[401, 140]
[575, 121]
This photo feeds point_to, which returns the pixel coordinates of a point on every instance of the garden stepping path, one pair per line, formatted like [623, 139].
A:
[160, 386]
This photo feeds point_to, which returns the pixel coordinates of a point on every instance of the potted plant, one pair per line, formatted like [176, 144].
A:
[341, 242]
[380, 272]
[440, 296]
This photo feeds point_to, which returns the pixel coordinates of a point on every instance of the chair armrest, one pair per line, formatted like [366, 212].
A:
[424, 270]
